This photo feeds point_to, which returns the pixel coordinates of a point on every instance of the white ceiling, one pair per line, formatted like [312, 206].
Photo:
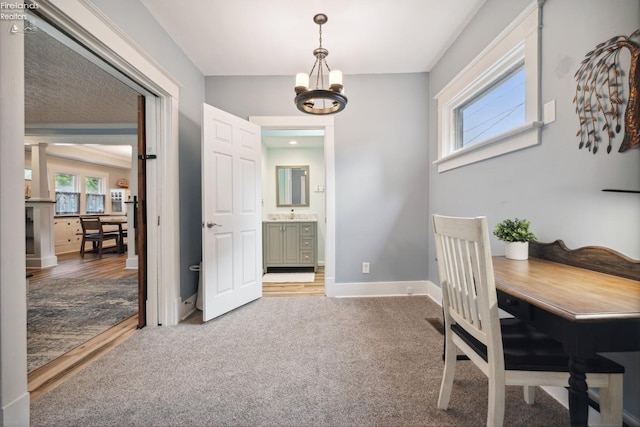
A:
[245, 37]
[277, 37]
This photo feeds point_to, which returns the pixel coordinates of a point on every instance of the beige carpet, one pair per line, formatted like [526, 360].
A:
[305, 361]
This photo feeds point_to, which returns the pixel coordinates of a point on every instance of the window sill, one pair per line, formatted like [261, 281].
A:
[521, 137]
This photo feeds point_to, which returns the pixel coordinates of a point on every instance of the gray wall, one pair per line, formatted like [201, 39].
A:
[134, 19]
[381, 166]
[555, 185]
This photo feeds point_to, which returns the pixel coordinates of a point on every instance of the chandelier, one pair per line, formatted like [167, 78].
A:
[320, 100]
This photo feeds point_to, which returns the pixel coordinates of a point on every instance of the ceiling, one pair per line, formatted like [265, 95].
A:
[69, 98]
[62, 86]
[277, 37]
[66, 87]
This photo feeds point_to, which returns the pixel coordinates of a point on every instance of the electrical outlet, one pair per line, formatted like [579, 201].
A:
[365, 267]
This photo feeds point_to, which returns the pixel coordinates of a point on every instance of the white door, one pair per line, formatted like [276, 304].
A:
[231, 213]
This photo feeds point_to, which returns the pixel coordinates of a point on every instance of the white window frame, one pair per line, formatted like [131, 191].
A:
[103, 190]
[78, 185]
[520, 41]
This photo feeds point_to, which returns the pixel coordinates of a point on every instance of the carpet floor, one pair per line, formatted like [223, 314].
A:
[64, 313]
[303, 361]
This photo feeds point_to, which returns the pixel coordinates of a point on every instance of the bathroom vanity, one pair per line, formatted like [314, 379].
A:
[290, 243]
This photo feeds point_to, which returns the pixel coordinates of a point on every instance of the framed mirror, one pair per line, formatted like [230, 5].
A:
[292, 186]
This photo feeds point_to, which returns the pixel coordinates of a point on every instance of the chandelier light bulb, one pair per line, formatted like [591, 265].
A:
[335, 80]
[302, 82]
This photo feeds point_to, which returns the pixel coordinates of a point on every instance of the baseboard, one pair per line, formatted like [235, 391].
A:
[380, 289]
[46, 262]
[16, 413]
[187, 306]
[435, 292]
[132, 264]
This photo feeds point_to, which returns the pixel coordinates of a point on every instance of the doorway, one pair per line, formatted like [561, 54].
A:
[326, 125]
[85, 124]
[85, 23]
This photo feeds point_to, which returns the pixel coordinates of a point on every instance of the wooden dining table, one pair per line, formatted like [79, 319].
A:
[120, 222]
[587, 311]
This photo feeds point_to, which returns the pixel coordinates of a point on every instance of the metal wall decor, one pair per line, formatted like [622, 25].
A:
[599, 98]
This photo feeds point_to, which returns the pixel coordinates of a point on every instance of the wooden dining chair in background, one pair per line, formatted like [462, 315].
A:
[92, 231]
[507, 351]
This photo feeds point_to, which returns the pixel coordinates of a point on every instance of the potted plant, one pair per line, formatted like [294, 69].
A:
[516, 235]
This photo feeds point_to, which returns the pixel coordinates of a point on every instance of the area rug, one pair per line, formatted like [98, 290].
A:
[64, 313]
[288, 278]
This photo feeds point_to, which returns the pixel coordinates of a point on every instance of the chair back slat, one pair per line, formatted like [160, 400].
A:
[91, 225]
[466, 275]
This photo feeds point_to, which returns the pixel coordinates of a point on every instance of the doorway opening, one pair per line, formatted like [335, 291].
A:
[321, 128]
[84, 125]
[293, 211]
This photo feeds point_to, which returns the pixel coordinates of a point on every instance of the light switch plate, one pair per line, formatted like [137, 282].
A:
[549, 112]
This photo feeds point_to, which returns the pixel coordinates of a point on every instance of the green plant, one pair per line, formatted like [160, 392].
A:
[514, 230]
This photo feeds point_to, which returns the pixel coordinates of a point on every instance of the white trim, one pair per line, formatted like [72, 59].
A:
[381, 289]
[521, 137]
[435, 292]
[87, 24]
[132, 263]
[14, 397]
[187, 306]
[519, 42]
[326, 123]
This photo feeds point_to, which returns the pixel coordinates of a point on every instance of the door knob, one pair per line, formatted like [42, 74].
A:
[211, 224]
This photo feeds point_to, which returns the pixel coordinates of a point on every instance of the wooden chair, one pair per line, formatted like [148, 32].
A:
[507, 351]
[92, 231]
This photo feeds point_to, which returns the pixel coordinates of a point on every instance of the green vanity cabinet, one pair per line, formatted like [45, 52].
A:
[289, 244]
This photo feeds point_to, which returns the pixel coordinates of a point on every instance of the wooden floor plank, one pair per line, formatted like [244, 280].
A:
[315, 288]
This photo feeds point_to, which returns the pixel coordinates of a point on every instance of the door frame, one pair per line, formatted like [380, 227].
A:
[325, 123]
[87, 24]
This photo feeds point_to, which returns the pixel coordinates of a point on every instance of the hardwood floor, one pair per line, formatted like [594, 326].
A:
[315, 288]
[111, 265]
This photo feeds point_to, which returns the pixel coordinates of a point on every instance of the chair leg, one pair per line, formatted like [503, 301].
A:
[82, 248]
[611, 401]
[529, 394]
[448, 374]
[100, 249]
[495, 411]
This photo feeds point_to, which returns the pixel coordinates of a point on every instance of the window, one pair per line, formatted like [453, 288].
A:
[67, 194]
[95, 192]
[497, 110]
[492, 107]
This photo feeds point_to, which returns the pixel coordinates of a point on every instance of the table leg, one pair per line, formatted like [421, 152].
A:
[120, 240]
[578, 399]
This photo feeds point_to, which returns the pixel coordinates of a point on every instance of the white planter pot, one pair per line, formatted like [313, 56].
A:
[516, 250]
